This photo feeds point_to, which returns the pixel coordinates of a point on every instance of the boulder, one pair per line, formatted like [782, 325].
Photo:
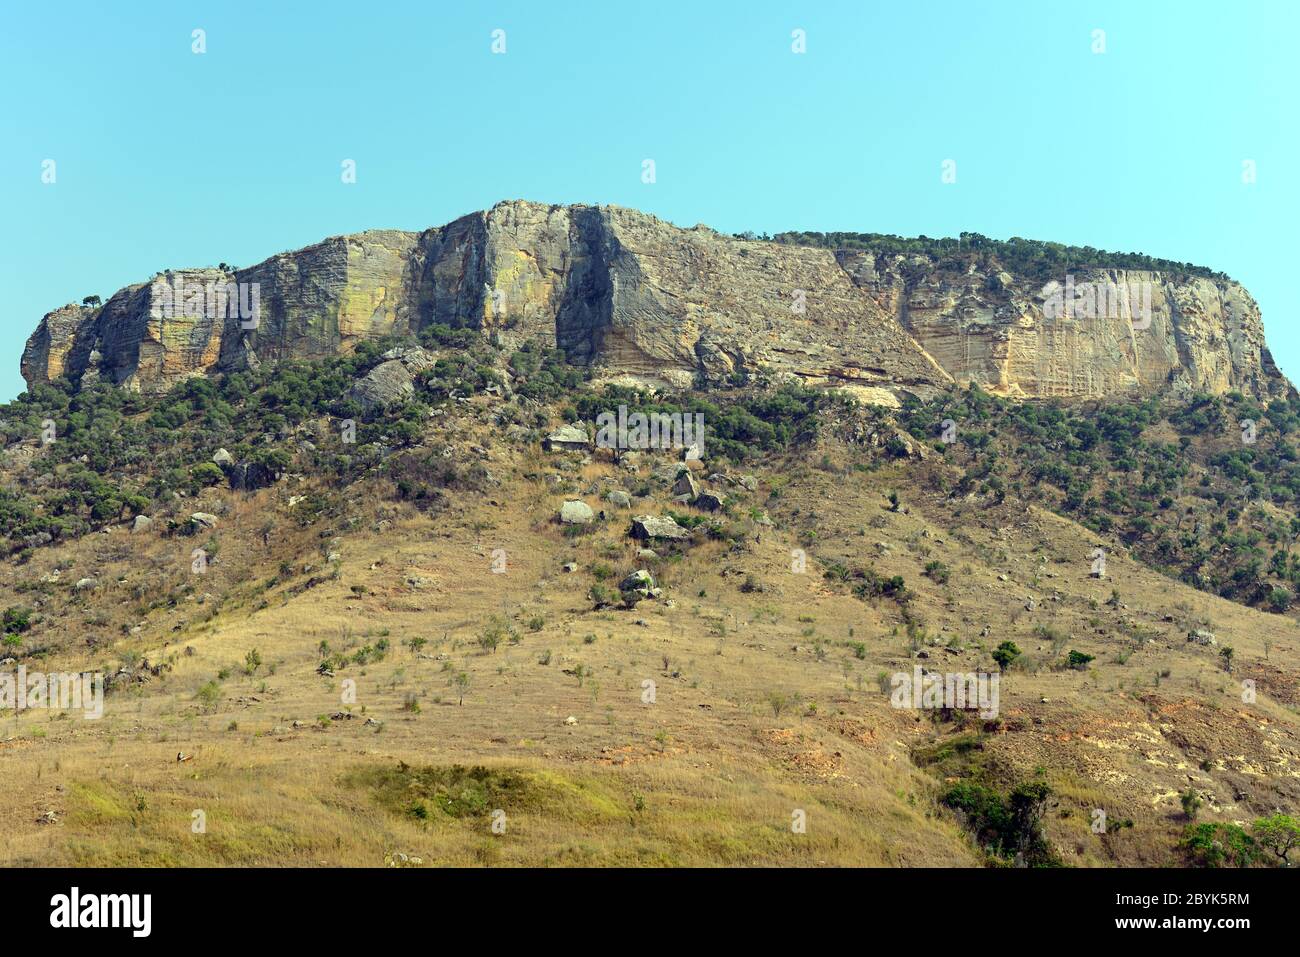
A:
[86, 584]
[204, 519]
[897, 442]
[655, 526]
[570, 438]
[1200, 636]
[385, 384]
[686, 485]
[223, 458]
[667, 474]
[638, 585]
[708, 501]
[248, 476]
[575, 512]
[415, 358]
[142, 523]
[618, 497]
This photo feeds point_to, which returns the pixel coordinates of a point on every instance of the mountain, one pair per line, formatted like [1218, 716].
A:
[644, 302]
[363, 590]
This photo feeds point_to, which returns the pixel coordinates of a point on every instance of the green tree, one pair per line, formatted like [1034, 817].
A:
[1078, 660]
[1279, 833]
[1006, 653]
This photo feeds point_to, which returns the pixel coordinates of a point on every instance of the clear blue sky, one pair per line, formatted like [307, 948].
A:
[167, 158]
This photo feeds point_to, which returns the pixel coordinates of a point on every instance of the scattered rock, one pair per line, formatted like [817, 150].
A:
[638, 585]
[897, 442]
[667, 474]
[142, 523]
[1200, 636]
[575, 512]
[708, 501]
[655, 526]
[686, 485]
[415, 358]
[250, 476]
[385, 384]
[619, 498]
[204, 519]
[568, 438]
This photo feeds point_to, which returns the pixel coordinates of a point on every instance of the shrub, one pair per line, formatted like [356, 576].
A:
[16, 620]
[1005, 654]
[1005, 826]
[1218, 845]
[938, 572]
[1078, 660]
[208, 695]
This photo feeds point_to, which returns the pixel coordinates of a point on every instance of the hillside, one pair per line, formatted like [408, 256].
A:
[352, 609]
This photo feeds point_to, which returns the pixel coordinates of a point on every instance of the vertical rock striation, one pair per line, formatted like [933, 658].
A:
[648, 303]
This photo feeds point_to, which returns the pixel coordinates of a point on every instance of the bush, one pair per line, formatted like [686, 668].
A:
[1078, 660]
[208, 695]
[1005, 654]
[207, 474]
[1005, 826]
[16, 620]
[937, 572]
[1218, 845]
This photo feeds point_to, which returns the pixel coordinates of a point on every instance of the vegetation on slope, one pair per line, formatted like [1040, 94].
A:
[1176, 482]
[1028, 258]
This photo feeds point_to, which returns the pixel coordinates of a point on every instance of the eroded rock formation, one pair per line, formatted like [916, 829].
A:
[647, 302]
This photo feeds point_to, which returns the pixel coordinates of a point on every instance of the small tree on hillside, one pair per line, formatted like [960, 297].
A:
[1279, 834]
[1006, 653]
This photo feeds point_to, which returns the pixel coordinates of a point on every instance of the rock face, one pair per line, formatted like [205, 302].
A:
[645, 302]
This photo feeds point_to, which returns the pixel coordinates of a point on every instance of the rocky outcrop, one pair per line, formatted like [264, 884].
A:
[386, 383]
[644, 302]
[1141, 331]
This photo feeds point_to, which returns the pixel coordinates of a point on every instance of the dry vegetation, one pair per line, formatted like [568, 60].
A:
[768, 694]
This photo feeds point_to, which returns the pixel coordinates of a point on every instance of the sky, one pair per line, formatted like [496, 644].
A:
[164, 157]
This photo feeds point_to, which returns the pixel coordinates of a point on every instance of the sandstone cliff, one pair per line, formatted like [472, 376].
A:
[644, 301]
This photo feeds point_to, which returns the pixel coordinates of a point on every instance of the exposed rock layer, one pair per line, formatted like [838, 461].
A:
[646, 302]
